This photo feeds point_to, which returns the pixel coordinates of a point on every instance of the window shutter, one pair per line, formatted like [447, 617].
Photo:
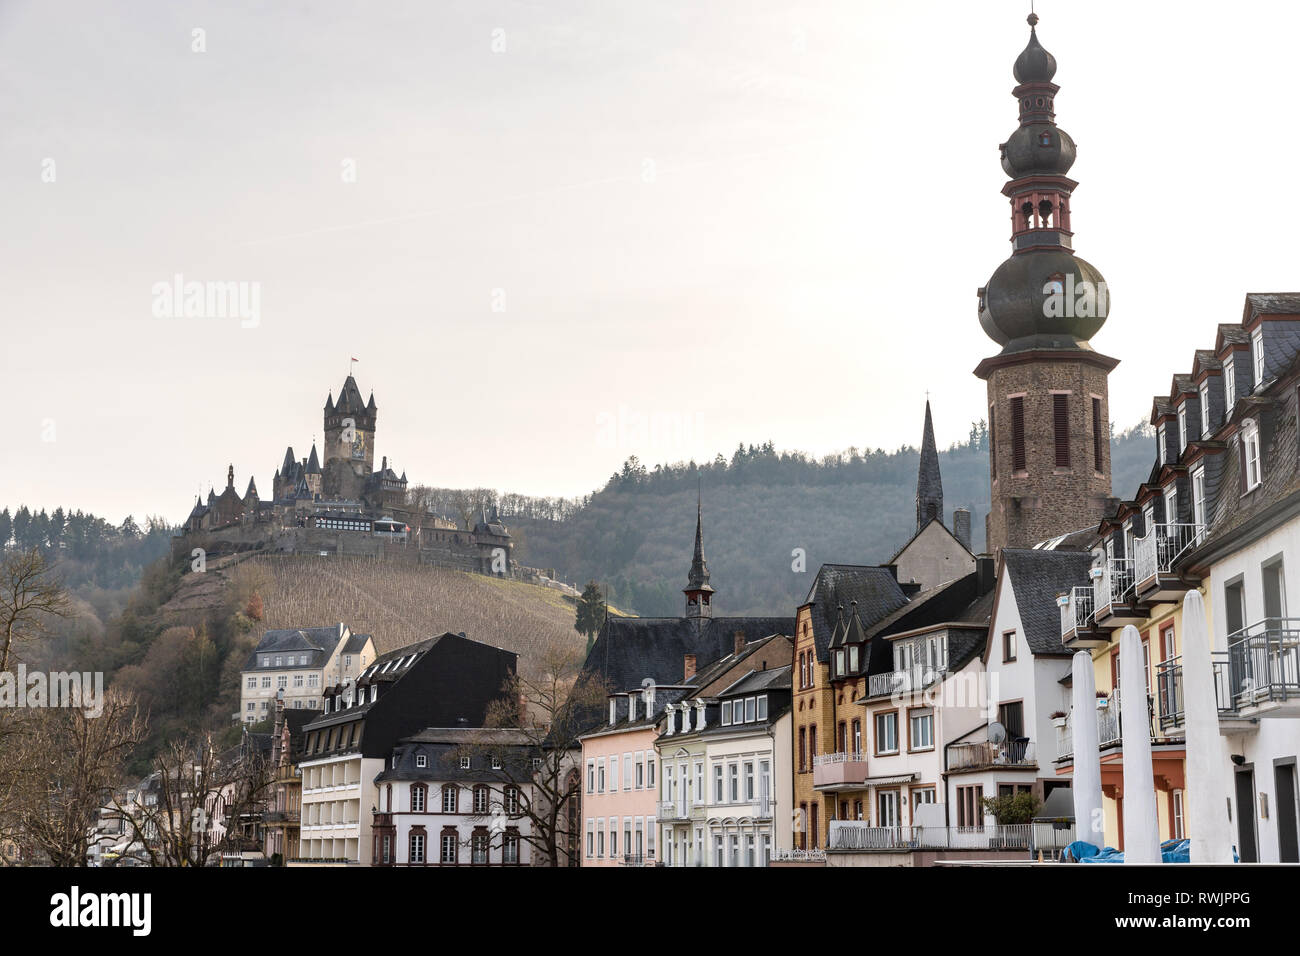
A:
[1061, 423]
[1096, 434]
[1018, 433]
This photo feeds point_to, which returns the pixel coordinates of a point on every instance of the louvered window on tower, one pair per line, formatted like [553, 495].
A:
[1096, 434]
[1018, 433]
[1061, 425]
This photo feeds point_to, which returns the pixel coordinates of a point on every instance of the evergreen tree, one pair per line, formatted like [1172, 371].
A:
[591, 613]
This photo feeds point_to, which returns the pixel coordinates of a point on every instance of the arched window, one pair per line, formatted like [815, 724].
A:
[419, 796]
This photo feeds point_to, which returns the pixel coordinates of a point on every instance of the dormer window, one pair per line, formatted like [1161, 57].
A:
[1229, 382]
[1250, 462]
[1257, 354]
[1161, 445]
[1205, 409]
[421, 761]
[1182, 428]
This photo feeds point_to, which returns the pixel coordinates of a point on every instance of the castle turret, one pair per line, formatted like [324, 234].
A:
[349, 442]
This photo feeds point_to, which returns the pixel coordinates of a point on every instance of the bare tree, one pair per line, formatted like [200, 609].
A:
[59, 767]
[29, 593]
[188, 811]
[550, 704]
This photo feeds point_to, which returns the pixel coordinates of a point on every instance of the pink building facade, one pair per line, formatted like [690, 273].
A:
[620, 787]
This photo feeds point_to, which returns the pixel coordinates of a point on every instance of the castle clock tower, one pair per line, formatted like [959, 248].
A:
[1048, 409]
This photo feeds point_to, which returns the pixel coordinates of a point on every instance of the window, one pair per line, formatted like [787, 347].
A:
[266, 661]
[252, 706]
[1250, 455]
[449, 842]
[726, 713]
[717, 783]
[313, 680]
[510, 847]
[1171, 504]
[417, 847]
[591, 838]
[1198, 499]
[749, 779]
[1096, 434]
[887, 808]
[762, 707]
[857, 735]
[510, 800]
[1008, 646]
[640, 769]
[650, 770]
[252, 683]
[919, 797]
[733, 780]
[421, 760]
[1230, 382]
[1018, 433]
[482, 799]
[417, 798]
[1160, 444]
[1176, 815]
[853, 659]
[496, 763]
[1061, 428]
[600, 838]
[266, 683]
[1257, 354]
[627, 771]
[970, 811]
[920, 728]
[803, 750]
[282, 681]
[613, 837]
[1182, 427]
[1205, 408]
[887, 732]
[464, 763]
[449, 798]
[479, 847]
[1011, 715]
[279, 662]
[993, 444]
[750, 709]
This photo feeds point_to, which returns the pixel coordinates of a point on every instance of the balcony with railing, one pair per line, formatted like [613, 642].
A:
[1263, 668]
[1156, 557]
[639, 859]
[679, 809]
[904, 682]
[1113, 600]
[1108, 727]
[1078, 629]
[978, 755]
[849, 835]
[839, 771]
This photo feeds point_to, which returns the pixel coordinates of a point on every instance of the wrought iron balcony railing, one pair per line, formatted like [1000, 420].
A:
[1076, 612]
[1159, 550]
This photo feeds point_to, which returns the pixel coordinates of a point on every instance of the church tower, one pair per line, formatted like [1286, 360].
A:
[699, 596]
[1048, 411]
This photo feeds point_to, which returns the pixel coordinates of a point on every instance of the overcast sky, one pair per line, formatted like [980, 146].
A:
[584, 230]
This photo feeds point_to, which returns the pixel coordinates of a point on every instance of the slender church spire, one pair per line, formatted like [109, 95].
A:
[699, 595]
[929, 484]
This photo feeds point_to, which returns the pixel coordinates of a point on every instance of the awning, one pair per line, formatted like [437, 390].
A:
[883, 781]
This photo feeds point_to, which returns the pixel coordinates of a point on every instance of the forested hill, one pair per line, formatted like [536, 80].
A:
[770, 519]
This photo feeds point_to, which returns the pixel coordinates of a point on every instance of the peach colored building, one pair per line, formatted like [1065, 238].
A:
[620, 785]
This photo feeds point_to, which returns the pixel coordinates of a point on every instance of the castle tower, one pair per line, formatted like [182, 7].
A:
[929, 484]
[1049, 455]
[699, 596]
[349, 442]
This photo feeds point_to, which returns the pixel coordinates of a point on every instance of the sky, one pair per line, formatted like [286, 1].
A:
[558, 234]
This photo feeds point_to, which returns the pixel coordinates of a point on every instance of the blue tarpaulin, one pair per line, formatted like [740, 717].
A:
[1171, 851]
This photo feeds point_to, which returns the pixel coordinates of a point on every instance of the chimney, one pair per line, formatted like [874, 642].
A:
[689, 670]
[739, 645]
[985, 573]
[961, 526]
[523, 711]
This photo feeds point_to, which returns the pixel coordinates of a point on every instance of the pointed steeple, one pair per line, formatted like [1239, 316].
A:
[929, 485]
[313, 463]
[252, 489]
[699, 595]
[289, 460]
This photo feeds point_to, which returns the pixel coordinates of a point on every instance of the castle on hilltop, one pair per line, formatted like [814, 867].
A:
[339, 503]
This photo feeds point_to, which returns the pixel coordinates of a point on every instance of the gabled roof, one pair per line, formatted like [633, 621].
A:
[1229, 335]
[1037, 577]
[1269, 303]
[874, 588]
[776, 678]
[319, 641]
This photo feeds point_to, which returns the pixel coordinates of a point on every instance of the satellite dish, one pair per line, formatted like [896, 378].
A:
[997, 733]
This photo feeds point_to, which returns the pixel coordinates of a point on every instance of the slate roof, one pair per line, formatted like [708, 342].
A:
[1270, 303]
[319, 642]
[754, 681]
[874, 588]
[628, 650]
[1038, 577]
